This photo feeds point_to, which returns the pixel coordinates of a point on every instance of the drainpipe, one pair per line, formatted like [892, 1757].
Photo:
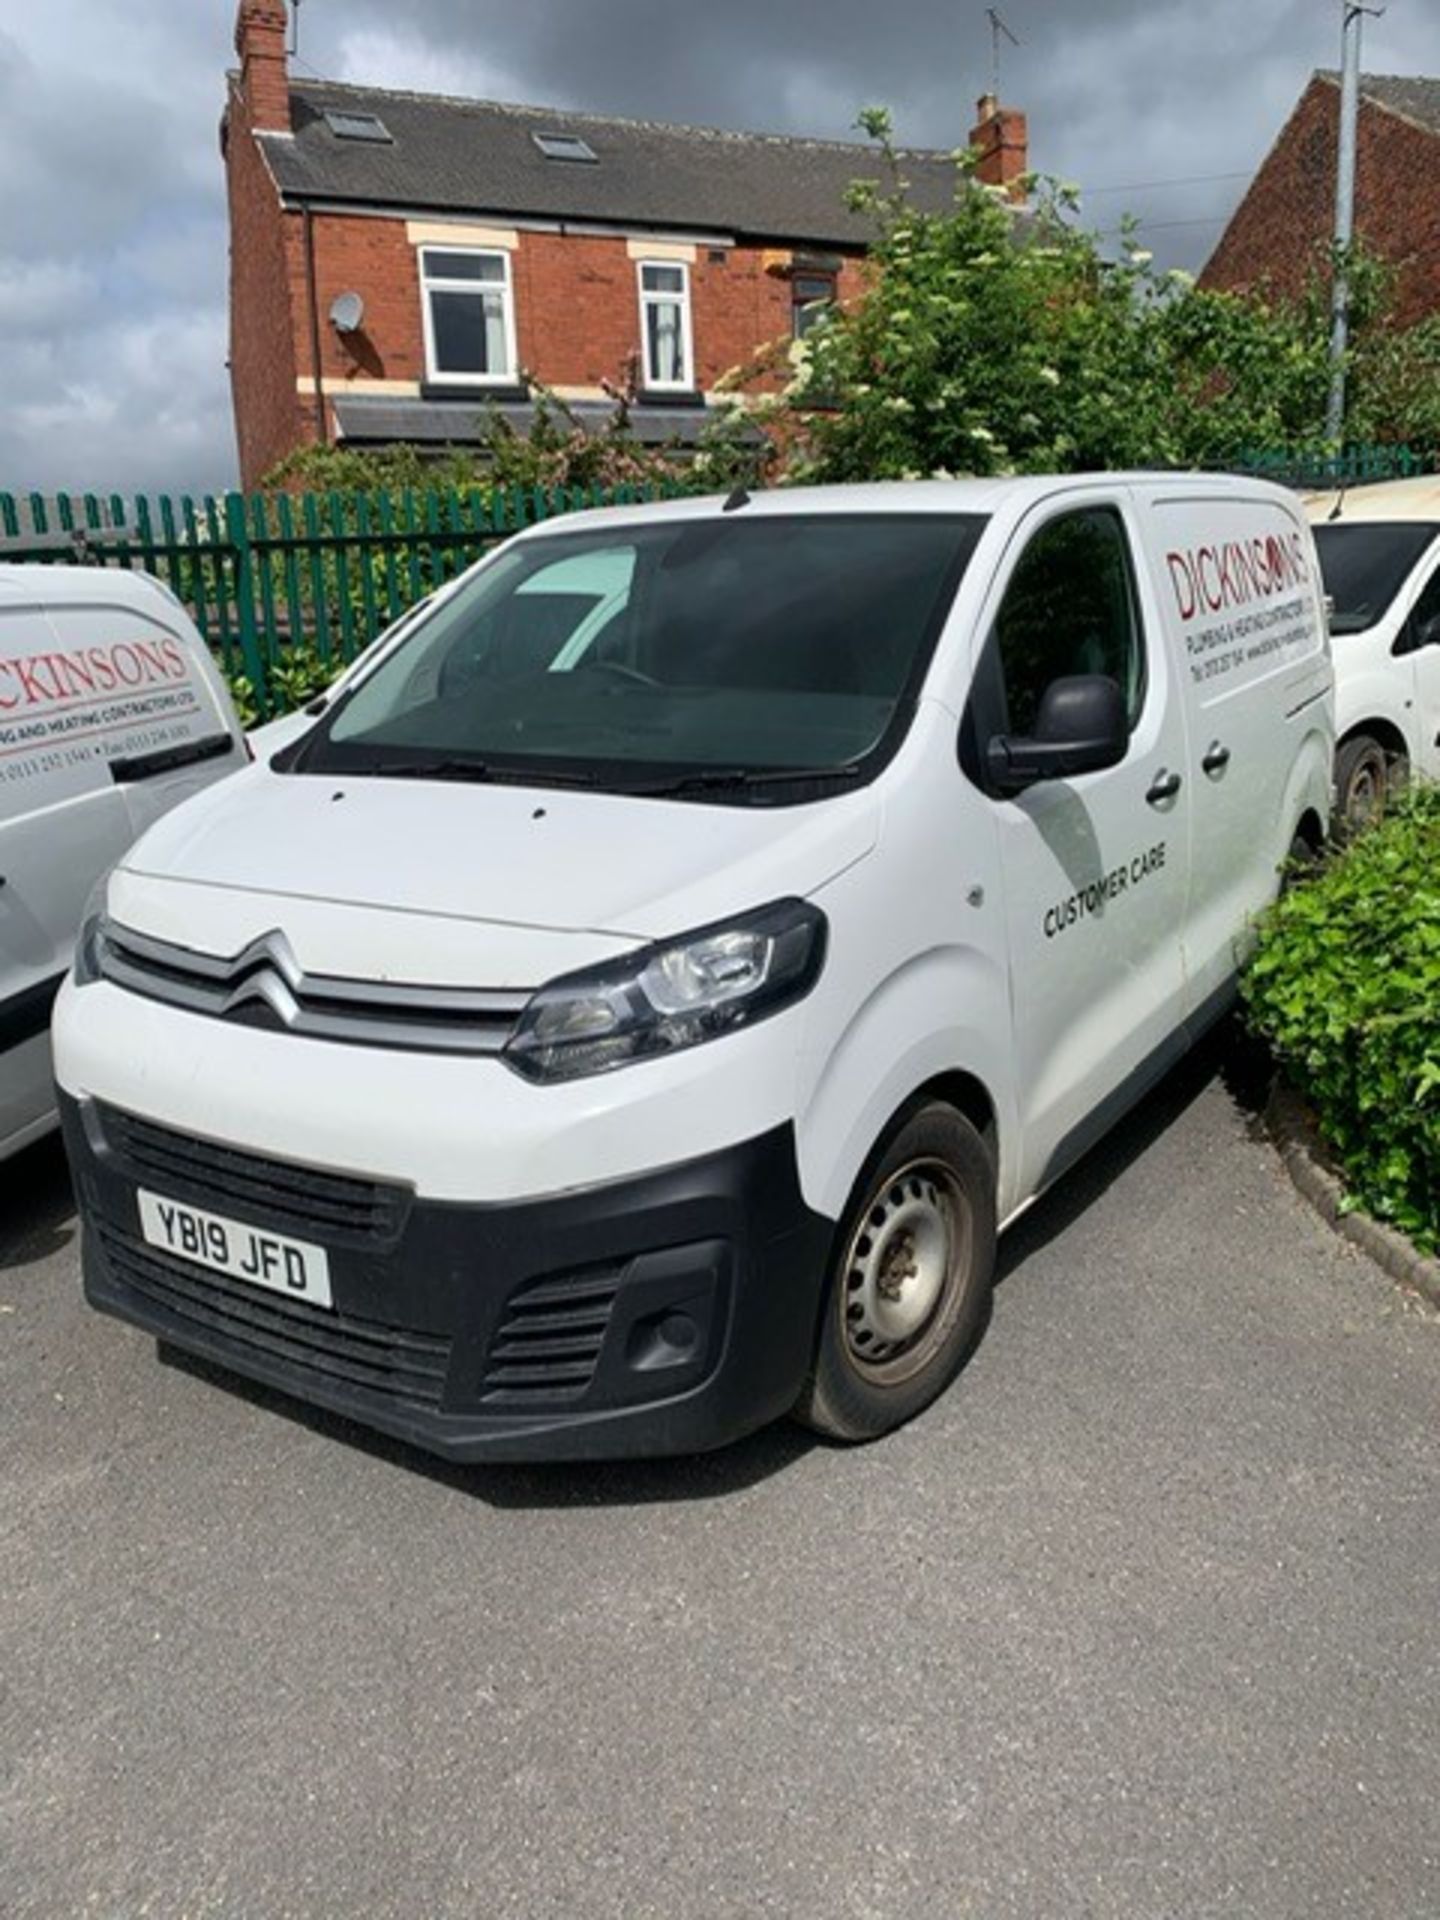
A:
[313, 298]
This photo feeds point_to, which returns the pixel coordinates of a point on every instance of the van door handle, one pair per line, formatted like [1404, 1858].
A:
[1217, 758]
[1164, 787]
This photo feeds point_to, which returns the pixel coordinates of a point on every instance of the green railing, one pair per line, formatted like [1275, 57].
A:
[269, 578]
[1355, 466]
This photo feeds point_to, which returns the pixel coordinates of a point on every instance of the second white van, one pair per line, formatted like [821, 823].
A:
[630, 1009]
[111, 712]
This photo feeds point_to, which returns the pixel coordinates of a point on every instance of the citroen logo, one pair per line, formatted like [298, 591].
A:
[267, 970]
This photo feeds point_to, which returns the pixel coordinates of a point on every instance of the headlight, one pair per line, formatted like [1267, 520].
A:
[671, 996]
[90, 941]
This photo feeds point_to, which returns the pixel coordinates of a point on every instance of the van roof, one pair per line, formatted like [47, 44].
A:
[920, 496]
[1417, 499]
[35, 580]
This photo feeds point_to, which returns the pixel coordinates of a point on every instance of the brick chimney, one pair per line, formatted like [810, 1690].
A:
[1001, 139]
[260, 32]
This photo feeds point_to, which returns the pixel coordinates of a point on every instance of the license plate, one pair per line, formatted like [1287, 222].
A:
[295, 1268]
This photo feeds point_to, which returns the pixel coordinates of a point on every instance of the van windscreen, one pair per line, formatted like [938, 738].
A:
[1365, 563]
[652, 656]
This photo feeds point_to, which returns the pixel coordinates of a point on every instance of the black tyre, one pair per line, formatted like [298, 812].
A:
[1365, 777]
[1302, 863]
[909, 1291]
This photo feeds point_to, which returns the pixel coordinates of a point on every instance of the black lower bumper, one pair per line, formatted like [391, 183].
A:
[663, 1314]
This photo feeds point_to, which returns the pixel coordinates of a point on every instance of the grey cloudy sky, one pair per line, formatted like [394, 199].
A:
[112, 228]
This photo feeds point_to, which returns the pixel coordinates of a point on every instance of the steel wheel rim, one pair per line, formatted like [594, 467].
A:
[903, 1280]
[1369, 784]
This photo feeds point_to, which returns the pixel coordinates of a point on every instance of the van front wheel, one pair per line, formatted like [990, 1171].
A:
[909, 1294]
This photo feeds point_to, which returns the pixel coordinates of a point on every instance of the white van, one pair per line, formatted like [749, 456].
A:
[565, 1051]
[111, 710]
[1379, 552]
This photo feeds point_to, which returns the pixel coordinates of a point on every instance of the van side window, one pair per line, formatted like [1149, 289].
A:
[1070, 608]
[1424, 628]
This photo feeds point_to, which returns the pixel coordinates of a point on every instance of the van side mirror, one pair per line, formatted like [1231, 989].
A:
[1082, 727]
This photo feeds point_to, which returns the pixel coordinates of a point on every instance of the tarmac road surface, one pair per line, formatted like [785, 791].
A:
[1140, 1620]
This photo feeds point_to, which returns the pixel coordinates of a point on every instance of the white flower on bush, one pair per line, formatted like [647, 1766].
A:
[1050, 375]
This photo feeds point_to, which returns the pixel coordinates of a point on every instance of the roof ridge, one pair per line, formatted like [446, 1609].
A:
[1406, 79]
[526, 110]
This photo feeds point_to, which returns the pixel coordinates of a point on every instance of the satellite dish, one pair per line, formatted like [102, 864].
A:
[347, 310]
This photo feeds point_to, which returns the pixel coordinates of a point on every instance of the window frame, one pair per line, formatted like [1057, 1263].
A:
[798, 306]
[648, 383]
[987, 710]
[1427, 572]
[438, 376]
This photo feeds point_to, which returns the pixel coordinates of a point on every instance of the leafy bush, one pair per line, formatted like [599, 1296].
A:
[1345, 986]
[295, 677]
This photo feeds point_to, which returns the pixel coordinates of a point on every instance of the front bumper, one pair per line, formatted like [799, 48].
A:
[663, 1313]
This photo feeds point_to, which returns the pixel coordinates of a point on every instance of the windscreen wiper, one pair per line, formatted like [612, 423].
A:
[481, 771]
[742, 779]
[443, 769]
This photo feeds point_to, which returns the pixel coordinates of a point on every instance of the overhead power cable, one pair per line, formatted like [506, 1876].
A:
[1153, 186]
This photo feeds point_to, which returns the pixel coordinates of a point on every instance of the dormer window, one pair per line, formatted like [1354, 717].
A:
[566, 146]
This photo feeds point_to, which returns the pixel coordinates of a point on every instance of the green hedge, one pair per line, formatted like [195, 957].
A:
[1345, 986]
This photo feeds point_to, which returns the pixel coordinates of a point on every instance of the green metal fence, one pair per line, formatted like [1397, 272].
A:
[270, 578]
[1354, 466]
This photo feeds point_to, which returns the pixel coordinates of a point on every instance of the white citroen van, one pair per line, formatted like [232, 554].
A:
[1380, 557]
[628, 1011]
[111, 710]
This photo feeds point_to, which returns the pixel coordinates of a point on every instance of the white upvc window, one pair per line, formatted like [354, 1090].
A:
[468, 310]
[668, 356]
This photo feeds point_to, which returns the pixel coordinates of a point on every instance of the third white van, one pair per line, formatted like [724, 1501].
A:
[1380, 557]
[630, 1008]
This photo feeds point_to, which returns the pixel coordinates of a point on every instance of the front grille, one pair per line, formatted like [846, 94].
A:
[264, 985]
[548, 1343]
[334, 1208]
[395, 1362]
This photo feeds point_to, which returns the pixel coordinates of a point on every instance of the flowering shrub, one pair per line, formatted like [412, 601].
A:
[995, 339]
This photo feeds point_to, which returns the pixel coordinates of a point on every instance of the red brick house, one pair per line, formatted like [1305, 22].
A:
[398, 260]
[1282, 228]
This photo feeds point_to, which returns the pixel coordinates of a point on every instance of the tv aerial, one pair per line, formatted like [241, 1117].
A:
[998, 32]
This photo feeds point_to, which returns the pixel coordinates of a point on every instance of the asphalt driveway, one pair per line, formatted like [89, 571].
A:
[1140, 1620]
